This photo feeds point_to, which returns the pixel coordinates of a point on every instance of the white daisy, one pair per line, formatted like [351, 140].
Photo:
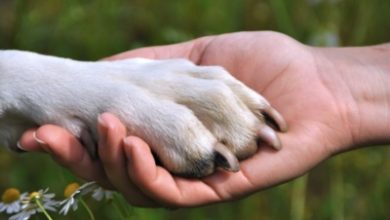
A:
[100, 194]
[73, 193]
[30, 204]
[23, 215]
[45, 198]
[11, 201]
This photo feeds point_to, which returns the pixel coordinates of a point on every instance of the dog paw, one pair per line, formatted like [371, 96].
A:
[195, 118]
[236, 116]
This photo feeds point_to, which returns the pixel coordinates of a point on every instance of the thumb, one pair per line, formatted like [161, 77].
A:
[191, 50]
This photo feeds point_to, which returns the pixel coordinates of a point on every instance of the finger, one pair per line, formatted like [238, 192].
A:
[112, 132]
[159, 184]
[68, 152]
[28, 143]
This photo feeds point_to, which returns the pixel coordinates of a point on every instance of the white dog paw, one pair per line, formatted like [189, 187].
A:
[235, 116]
[194, 118]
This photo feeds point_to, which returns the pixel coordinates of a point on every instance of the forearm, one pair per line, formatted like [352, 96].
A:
[361, 81]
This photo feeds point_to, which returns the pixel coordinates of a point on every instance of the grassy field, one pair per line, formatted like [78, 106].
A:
[354, 185]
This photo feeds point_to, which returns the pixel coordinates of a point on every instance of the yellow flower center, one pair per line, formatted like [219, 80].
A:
[35, 195]
[10, 195]
[70, 189]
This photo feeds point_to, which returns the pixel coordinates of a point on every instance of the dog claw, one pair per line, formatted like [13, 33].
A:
[269, 136]
[276, 118]
[225, 159]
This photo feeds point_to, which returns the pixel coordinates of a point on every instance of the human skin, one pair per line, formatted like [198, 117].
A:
[333, 99]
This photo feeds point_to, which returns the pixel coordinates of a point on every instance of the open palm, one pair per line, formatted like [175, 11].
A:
[281, 69]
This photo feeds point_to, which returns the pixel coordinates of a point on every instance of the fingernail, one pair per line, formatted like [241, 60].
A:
[20, 148]
[43, 144]
[38, 140]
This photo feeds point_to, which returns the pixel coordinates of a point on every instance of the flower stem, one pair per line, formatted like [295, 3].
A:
[42, 209]
[87, 208]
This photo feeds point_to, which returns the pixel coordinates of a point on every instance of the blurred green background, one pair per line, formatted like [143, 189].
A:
[354, 185]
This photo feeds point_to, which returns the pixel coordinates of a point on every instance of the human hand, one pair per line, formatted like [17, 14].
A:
[301, 82]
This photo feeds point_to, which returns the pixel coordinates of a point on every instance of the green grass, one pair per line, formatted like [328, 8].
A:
[351, 186]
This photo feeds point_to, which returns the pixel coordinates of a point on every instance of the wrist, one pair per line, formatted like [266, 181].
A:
[361, 78]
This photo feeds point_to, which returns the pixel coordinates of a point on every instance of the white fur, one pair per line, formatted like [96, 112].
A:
[180, 109]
